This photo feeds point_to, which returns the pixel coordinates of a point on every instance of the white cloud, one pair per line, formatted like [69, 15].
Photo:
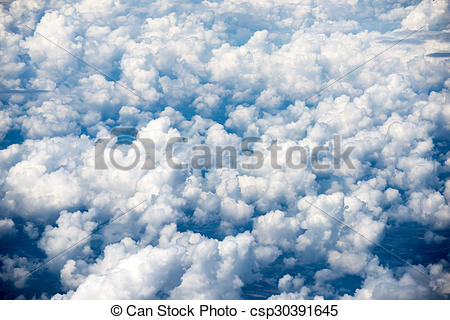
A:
[7, 227]
[430, 13]
[380, 283]
[71, 228]
[182, 265]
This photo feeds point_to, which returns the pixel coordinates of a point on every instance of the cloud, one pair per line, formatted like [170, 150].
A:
[428, 13]
[182, 265]
[7, 227]
[72, 228]
[381, 284]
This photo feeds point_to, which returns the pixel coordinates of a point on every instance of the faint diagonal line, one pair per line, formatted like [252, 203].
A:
[97, 229]
[364, 63]
[22, 91]
[366, 238]
[86, 63]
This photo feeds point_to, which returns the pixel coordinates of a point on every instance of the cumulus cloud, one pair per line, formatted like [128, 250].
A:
[72, 228]
[382, 284]
[182, 265]
[7, 227]
[432, 14]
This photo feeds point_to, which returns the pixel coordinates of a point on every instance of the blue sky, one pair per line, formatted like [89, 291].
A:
[374, 74]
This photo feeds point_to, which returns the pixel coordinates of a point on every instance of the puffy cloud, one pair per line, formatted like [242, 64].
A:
[15, 269]
[71, 228]
[428, 207]
[50, 119]
[289, 283]
[31, 230]
[236, 211]
[182, 265]
[7, 227]
[149, 270]
[431, 14]
[431, 237]
[412, 284]
[275, 228]
[292, 288]
[5, 123]
[347, 262]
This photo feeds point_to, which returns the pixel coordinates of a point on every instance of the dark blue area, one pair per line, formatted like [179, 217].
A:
[346, 285]
[11, 137]
[406, 240]
[439, 55]
[267, 284]
[43, 286]
[20, 243]
[41, 282]
[442, 147]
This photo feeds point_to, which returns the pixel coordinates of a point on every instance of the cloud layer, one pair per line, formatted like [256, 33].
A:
[215, 72]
